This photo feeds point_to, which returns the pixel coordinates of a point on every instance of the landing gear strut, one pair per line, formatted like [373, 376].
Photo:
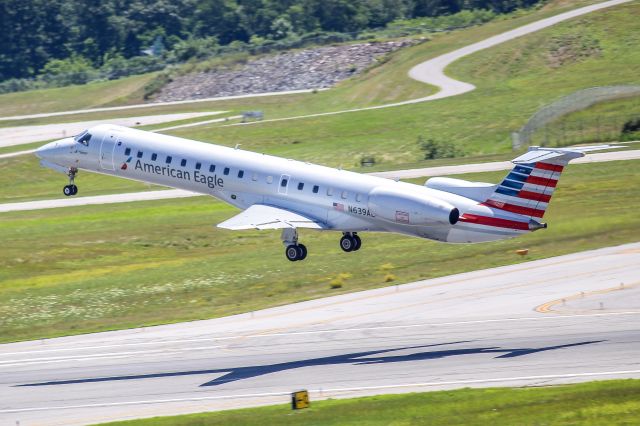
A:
[350, 241]
[71, 189]
[294, 251]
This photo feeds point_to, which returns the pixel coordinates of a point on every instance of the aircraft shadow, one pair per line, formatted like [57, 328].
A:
[356, 358]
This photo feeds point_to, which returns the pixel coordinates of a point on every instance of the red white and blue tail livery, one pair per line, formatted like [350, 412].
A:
[518, 203]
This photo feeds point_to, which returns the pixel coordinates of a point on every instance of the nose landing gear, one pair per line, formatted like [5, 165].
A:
[350, 241]
[71, 189]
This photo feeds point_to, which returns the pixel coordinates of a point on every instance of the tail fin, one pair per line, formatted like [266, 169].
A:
[528, 188]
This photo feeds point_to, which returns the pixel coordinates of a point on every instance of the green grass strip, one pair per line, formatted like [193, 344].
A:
[614, 402]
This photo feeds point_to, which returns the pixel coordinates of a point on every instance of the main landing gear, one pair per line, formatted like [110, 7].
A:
[294, 251]
[71, 189]
[350, 241]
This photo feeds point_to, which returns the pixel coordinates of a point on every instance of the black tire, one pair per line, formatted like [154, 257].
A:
[302, 252]
[358, 242]
[67, 190]
[74, 189]
[291, 252]
[347, 243]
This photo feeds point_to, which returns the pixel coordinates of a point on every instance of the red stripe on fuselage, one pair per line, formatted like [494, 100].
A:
[494, 221]
[534, 196]
[514, 209]
[547, 166]
[536, 180]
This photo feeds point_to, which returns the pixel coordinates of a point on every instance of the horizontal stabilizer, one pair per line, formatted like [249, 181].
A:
[260, 216]
[538, 155]
[542, 154]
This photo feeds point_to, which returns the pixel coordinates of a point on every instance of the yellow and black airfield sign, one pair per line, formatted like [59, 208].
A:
[300, 399]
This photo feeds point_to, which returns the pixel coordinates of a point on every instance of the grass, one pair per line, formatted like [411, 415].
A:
[382, 84]
[508, 92]
[94, 268]
[613, 402]
[98, 94]
[25, 180]
[599, 123]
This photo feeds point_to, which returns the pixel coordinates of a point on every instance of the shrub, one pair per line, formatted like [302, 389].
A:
[434, 149]
[631, 130]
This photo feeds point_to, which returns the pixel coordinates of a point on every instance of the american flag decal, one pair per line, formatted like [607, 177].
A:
[338, 206]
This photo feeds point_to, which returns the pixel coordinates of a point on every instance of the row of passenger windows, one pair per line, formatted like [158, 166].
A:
[254, 177]
[183, 162]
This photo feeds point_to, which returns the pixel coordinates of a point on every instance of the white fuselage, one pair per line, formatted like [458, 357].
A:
[342, 200]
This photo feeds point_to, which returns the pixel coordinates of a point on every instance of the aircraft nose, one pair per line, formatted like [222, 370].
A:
[56, 150]
[45, 151]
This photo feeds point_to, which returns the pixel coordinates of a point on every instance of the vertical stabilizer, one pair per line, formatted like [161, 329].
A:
[528, 188]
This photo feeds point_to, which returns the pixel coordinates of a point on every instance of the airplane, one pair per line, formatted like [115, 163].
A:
[279, 193]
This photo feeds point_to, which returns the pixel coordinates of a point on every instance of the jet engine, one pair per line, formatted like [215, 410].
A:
[403, 207]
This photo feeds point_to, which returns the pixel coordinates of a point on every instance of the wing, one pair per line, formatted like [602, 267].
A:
[260, 216]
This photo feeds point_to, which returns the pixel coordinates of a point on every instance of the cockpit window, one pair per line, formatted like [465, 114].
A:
[83, 138]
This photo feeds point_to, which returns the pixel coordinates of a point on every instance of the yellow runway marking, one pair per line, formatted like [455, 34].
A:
[546, 308]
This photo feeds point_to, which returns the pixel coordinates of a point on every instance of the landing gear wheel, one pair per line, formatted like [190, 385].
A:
[71, 189]
[292, 253]
[358, 242]
[302, 252]
[347, 243]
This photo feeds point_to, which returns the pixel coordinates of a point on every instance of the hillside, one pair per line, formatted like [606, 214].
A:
[513, 80]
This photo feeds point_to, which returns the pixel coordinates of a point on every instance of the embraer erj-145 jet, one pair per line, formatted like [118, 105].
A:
[277, 193]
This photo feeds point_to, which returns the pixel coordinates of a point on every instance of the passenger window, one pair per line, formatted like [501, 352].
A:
[139, 155]
[212, 168]
[226, 171]
[300, 186]
[240, 173]
[168, 159]
[254, 177]
[329, 192]
[198, 166]
[344, 194]
[269, 179]
[154, 156]
[284, 182]
[127, 151]
[183, 163]
[316, 188]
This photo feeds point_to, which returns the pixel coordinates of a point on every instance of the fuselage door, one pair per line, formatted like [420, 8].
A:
[283, 186]
[107, 148]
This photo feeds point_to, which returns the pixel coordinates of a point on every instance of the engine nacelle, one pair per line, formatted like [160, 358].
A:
[403, 207]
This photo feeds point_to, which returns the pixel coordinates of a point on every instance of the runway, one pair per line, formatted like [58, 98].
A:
[559, 320]
[13, 136]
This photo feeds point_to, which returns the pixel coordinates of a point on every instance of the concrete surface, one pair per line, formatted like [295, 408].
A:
[11, 136]
[483, 328]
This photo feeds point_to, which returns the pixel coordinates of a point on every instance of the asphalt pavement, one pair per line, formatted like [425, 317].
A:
[560, 320]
